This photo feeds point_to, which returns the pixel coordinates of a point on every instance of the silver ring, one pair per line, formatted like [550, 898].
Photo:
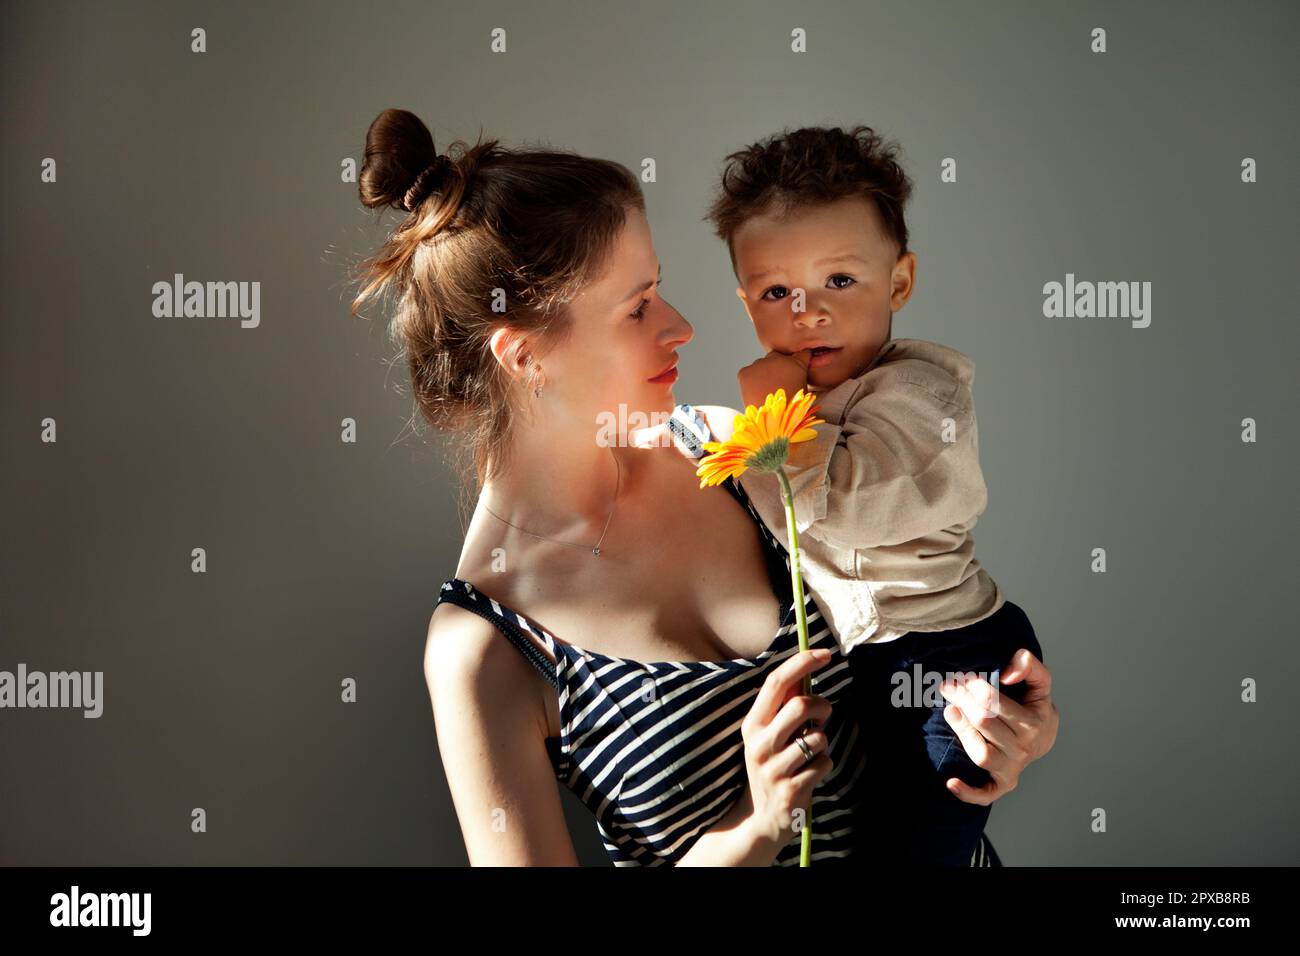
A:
[803, 745]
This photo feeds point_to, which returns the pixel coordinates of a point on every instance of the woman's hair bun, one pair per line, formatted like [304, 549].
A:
[401, 165]
[426, 182]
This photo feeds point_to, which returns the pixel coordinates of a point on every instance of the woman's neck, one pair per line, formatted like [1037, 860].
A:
[558, 483]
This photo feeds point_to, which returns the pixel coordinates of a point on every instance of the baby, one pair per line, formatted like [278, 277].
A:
[887, 493]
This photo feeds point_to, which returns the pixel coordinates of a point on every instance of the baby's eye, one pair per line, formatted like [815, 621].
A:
[841, 276]
[774, 289]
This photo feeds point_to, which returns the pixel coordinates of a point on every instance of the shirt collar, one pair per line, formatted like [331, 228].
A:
[832, 403]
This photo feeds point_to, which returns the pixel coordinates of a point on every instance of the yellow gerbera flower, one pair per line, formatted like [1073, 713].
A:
[761, 437]
[761, 440]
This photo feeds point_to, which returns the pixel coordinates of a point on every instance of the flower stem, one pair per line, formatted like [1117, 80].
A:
[796, 587]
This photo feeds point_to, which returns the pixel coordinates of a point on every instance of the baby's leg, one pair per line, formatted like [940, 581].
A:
[944, 829]
[909, 815]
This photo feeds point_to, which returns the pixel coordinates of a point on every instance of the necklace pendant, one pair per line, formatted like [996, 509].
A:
[596, 552]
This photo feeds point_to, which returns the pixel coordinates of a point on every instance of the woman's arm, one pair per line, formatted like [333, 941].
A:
[733, 840]
[999, 734]
[491, 735]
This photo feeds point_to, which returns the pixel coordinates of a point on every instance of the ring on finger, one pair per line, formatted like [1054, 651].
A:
[803, 745]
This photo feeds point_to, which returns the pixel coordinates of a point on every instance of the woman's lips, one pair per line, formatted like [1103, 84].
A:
[666, 378]
[822, 356]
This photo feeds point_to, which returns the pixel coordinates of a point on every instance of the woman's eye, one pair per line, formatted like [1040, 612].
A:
[640, 309]
[773, 289]
[850, 278]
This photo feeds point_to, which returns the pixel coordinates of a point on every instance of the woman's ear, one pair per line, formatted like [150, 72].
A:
[510, 347]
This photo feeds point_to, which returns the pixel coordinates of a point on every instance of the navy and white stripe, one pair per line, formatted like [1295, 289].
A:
[654, 749]
[689, 428]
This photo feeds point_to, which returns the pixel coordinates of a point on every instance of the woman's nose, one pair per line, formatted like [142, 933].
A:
[679, 331]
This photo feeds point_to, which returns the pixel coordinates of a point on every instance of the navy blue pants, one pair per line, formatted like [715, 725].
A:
[909, 816]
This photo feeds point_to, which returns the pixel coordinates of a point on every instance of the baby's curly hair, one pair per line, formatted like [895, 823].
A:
[815, 164]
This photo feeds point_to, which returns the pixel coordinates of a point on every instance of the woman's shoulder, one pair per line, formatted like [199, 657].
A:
[702, 422]
[458, 643]
[464, 646]
[686, 427]
[469, 661]
[720, 419]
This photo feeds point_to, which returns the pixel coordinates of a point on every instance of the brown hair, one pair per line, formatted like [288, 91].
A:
[523, 229]
[811, 165]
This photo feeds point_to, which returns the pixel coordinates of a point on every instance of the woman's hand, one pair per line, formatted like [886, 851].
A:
[999, 734]
[781, 778]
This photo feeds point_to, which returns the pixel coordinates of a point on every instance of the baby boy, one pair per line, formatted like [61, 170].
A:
[887, 493]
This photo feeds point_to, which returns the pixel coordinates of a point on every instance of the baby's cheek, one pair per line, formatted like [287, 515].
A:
[763, 332]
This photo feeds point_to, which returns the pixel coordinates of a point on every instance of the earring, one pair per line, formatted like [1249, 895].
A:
[537, 392]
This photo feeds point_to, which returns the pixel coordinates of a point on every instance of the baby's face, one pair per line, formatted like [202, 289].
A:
[850, 275]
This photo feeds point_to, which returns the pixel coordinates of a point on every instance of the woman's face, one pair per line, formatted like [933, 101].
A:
[622, 335]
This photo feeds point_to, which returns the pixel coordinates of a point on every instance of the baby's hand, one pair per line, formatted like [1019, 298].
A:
[774, 370]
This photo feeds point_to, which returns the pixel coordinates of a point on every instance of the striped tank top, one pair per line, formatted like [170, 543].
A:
[654, 749]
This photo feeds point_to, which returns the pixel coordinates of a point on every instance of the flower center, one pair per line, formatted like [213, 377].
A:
[771, 456]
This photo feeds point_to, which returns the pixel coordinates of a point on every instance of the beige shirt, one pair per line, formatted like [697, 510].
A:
[885, 498]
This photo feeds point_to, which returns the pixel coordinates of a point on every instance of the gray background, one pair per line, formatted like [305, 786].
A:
[222, 690]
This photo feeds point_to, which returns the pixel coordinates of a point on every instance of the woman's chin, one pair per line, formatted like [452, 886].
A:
[660, 401]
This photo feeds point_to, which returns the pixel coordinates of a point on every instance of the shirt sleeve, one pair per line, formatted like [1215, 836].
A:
[904, 464]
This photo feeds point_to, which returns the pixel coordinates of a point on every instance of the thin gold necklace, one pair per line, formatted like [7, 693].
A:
[596, 548]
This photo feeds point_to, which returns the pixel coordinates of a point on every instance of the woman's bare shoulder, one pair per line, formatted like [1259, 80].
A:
[720, 419]
[455, 632]
[490, 723]
[466, 658]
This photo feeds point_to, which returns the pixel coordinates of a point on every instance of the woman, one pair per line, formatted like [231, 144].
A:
[530, 318]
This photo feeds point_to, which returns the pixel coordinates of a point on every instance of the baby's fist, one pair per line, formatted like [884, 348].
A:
[774, 370]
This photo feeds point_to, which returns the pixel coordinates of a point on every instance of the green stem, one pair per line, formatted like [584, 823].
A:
[796, 586]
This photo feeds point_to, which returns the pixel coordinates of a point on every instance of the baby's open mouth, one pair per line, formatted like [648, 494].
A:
[822, 355]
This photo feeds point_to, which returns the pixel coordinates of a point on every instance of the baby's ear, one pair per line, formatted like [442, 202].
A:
[740, 293]
[744, 300]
